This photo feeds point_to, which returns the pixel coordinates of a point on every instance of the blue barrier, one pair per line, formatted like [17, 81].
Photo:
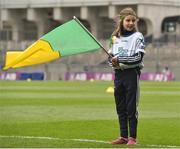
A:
[32, 76]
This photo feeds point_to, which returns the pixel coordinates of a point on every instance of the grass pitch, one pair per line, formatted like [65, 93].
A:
[82, 114]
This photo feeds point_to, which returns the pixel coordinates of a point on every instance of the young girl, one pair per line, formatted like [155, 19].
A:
[127, 50]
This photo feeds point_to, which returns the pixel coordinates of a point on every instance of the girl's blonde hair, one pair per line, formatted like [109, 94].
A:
[123, 13]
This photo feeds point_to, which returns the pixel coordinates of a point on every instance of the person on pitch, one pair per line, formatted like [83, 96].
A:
[127, 50]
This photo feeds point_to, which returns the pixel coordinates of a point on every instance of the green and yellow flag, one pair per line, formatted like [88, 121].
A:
[67, 39]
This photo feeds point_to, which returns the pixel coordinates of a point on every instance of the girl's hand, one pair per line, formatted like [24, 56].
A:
[115, 61]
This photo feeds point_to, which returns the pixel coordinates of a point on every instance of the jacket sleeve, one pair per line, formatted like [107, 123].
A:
[131, 60]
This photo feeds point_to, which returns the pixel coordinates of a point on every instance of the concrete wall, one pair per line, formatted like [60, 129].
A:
[153, 12]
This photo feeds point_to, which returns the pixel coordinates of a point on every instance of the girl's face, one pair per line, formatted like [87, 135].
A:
[129, 23]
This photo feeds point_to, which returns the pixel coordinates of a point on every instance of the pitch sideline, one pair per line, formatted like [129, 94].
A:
[84, 140]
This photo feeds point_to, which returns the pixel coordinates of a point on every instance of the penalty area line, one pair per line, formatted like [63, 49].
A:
[85, 140]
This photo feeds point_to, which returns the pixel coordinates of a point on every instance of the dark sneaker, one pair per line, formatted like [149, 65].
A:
[120, 140]
[132, 141]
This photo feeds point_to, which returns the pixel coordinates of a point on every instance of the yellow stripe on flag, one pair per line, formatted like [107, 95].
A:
[38, 53]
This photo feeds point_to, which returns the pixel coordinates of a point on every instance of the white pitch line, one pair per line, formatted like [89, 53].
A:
[29, 137]
[86, 140]
[161, 146]
[53, 138]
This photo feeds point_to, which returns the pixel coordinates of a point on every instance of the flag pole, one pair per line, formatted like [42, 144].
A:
[76, 19]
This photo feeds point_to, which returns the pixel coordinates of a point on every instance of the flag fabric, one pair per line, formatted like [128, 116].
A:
[68, 39]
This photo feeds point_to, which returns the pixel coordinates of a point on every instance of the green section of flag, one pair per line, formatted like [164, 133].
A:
[71, 38]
